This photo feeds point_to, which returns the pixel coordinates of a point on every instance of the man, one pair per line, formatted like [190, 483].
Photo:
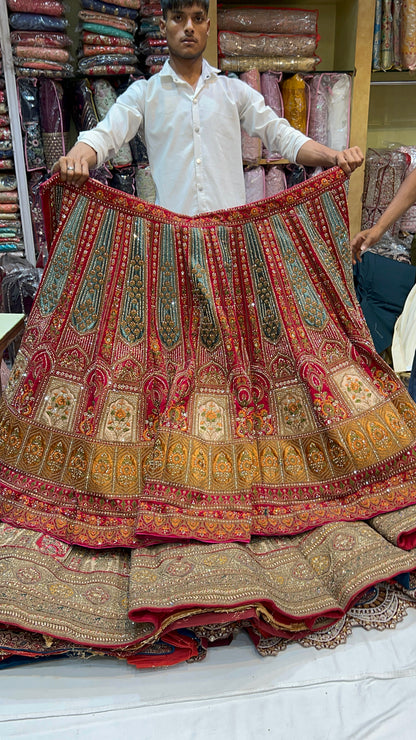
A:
[190, 117]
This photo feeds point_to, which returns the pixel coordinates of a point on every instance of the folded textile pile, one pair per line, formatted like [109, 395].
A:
[107, 37]
[280, 39]
[39, 38]
[10, 223]
[153, 45]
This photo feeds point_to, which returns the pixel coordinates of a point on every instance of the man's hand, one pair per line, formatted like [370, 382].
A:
[75, 166]
[349, 159]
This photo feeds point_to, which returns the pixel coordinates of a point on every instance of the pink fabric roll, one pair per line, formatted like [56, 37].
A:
[254, 179]
[251, 145]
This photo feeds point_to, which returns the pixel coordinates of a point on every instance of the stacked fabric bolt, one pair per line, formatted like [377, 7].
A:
[107, 37]
[279, 39]
[39, 39]
[153, 45]
[10, 224]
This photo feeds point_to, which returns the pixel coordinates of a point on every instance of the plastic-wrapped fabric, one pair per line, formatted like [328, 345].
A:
[123, 178]
[105, 70]
[36, 22]
[6, 164]
[148, 47]
[123, 24]
[295, 174]
[104, 97]
[6, 151]
[89, 51]
[48, 54]
[156, 59]
[8, 216]
[138, 151]
[8, 208]
[254, 179]
[275, 180]
[43, 72]
[107, 8]
[102, 30]
[19, 287]
[397, 14]
[34, 182]
[145, 186]
[251, 146]
[376, 62]
[3, 108]
[9, 197]
[264, 64]
[99, 39]
[106, 60]
[339, 111]
[41, 38]
[408, 220]
[408, 34]
[45, 7]
[384, 172]
[4, 120]
[7, 183]
[28, 96]
[233, 43]
[2, 96]
[54, 119]
[295, 102]
[318, 108]
[276, 20]
[84, 111]
[270, 89]
[126, 3]
[58, 68]
[386, 50]
[5, 134]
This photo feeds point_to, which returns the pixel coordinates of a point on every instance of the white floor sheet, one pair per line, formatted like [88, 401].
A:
[363, 690]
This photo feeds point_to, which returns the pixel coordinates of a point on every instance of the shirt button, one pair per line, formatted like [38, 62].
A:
[197, 129]
[194, 101]
[199, 187]
[198, 161]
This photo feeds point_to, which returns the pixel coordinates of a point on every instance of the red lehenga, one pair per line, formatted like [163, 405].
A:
[197, 435]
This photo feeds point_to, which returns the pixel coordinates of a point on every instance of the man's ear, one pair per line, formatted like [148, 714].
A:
[208, 26]
[162, 26]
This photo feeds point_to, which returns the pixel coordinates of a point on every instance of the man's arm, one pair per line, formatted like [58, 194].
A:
[313, 154]
[404, 198]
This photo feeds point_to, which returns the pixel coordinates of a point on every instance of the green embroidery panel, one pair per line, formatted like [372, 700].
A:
[132, 322]
[308, 301]
[88, 304]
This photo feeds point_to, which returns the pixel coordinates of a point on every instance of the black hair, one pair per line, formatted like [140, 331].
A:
[178, 4]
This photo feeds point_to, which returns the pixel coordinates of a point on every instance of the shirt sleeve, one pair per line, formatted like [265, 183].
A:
[258, 119]
[119, 126]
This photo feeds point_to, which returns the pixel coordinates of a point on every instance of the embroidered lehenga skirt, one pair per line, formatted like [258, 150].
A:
[197, 435]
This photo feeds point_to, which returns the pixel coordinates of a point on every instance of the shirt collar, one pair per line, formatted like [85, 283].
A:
[207, 71]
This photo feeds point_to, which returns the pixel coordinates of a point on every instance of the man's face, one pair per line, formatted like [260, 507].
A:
[186, 31]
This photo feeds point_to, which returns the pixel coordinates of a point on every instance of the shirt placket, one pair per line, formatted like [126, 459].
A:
[197, 144]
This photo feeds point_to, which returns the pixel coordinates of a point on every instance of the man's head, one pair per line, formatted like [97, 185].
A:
[185, 24]
[179, 4]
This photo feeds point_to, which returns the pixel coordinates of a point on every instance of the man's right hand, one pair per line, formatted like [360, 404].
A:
[75, 166]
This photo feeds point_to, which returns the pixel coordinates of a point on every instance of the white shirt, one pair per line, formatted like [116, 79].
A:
[193, 136]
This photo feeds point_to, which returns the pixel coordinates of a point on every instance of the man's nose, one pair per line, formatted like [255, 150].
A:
[189, 25]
